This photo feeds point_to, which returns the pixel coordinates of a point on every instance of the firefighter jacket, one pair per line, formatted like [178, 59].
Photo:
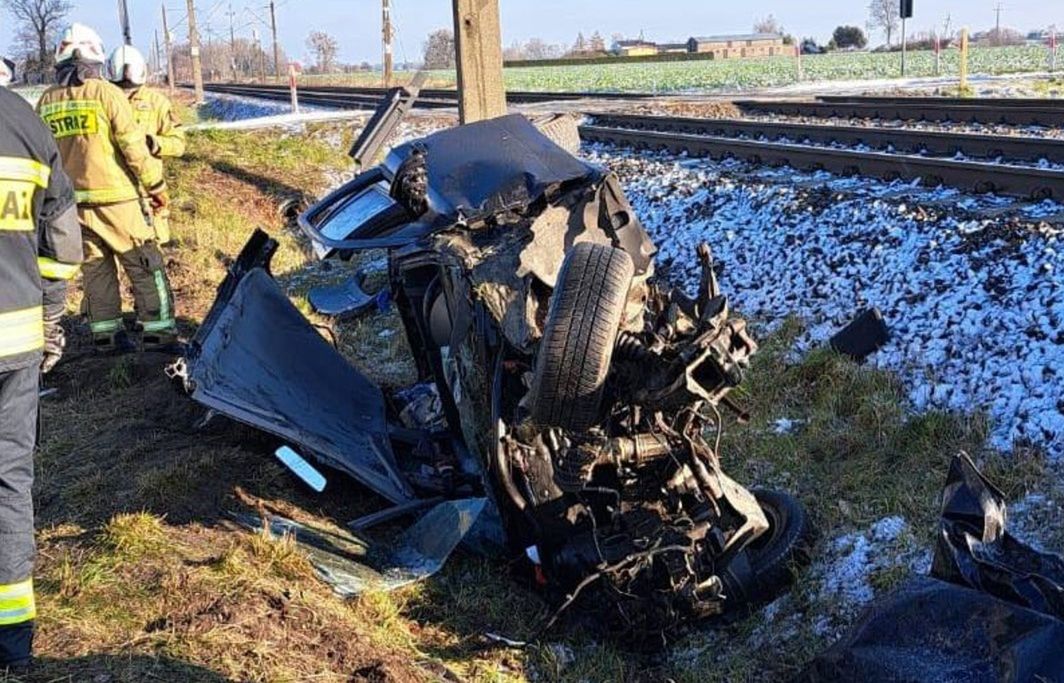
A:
[155, 116]
[39, 231]
[104, 151]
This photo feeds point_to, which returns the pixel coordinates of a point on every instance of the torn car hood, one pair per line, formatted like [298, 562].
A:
[484, 168]
[259, 361]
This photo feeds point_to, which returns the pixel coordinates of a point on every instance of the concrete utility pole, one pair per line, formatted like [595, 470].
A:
[169, 54]
[194, 51]
[386, 41]
[997, 24]
[478, 44]
[158, 53]
[276, 49]
[262, 54]
[232, 45]
[123, 18]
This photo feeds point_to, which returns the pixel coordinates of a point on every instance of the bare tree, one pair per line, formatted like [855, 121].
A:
[769, 24]
[439, 50]
[37, 25]
[598, 44]
[535, 48]
[324, 48]
[885, 16]
[580, 46]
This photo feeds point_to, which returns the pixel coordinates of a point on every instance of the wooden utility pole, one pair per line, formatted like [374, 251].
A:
[169, 54]
[194, 51]
[478, 44]
[276, 49]
[386, 41]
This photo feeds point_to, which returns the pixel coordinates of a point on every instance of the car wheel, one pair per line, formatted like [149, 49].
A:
[585, 315]
[766, 567]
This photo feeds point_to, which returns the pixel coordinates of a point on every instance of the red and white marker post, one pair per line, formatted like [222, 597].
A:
[1052, 42]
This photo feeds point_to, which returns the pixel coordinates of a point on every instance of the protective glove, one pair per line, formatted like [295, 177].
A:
[54, 339]
[160, 199]
[154, 147]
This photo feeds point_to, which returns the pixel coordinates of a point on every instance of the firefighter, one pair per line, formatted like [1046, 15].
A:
[154, 114]
[108, 160]
[40, 247]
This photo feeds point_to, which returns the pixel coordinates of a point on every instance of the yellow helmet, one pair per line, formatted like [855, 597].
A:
[126, 63]
[82, 43]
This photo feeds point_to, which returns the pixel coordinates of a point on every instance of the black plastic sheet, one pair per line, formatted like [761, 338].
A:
[974, 549]
[930, 630]
[991, 611]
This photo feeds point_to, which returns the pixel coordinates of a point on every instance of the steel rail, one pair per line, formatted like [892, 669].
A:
[961, 113]
[947, 101]
[517, 97]
[884, 139]
[1034, 183]
[327, 99]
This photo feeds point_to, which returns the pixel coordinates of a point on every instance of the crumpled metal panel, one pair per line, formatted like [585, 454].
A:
[259, 361]
[353, 565]
[343, 300]
[487, 167]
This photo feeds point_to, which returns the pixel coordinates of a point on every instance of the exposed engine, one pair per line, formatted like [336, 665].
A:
[637, 510]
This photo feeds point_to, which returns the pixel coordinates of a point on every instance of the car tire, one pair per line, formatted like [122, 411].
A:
[573, 359]
[771, 559]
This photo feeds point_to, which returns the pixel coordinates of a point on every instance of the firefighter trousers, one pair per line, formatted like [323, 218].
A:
[18, 436]
[114, 235]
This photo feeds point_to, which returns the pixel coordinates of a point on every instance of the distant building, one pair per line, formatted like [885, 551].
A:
[635, 48]
[738, 46]
[672, 48]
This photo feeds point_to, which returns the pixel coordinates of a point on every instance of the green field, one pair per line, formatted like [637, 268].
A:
[736, 75]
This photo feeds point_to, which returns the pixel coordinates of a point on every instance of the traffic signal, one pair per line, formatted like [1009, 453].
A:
[906, 9]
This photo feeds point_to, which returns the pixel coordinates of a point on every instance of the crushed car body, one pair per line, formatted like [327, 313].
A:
[575, 393]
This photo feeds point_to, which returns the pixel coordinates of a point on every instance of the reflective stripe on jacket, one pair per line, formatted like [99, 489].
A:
[39, 232]
[104, 150]
[16, 603]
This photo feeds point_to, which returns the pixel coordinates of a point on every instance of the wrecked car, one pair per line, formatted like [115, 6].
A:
[561, 383]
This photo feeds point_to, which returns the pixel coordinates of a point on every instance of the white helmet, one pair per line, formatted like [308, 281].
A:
[82, 43]
[126, 63]
[7, 72]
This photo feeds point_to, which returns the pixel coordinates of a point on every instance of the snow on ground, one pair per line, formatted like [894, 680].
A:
[975, 303]
[983, 85]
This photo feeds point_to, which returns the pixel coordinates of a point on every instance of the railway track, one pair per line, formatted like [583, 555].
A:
[997, 102]
[915, 109]
[359, 97]
[936, 143]
[1019, 181]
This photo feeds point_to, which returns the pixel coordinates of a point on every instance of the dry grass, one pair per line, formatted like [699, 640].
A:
[141, 577]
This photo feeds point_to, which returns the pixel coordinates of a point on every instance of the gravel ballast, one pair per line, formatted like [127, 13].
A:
[971, 286]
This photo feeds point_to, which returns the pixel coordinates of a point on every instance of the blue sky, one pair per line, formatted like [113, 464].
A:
[356, 23]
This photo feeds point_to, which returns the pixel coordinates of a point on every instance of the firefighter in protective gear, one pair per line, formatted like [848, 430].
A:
[154, 114]
[40, 249]
[108, 161]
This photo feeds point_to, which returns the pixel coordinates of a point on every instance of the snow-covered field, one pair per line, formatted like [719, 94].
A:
[975, 302]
